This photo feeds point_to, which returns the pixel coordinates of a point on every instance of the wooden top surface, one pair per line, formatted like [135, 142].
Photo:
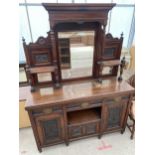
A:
[77, 91]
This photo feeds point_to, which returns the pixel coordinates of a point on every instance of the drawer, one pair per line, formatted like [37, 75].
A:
[83, 130]
[116, 99]
[83, 105]
[48, 110]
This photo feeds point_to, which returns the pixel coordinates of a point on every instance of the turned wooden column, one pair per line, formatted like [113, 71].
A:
[56, 74]
[101, 36]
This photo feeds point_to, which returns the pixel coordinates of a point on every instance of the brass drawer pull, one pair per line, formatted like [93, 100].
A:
[47, 110]
[85, 104]
[117, 99]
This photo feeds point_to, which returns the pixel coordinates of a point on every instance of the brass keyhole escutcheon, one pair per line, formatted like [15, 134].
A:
[84, 105]
[47, 110]
[117, 99]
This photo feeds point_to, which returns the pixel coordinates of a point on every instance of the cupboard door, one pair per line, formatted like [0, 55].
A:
[115, 113]
[75, 131]
[50, 128]
[91, 128]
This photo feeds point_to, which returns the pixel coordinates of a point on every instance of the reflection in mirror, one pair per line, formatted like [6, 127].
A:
[76, 50]
[46, 91]
[44, 77]
[107, 70]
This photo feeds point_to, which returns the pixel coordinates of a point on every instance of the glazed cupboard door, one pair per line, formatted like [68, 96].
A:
[50, 128]
[114, 110]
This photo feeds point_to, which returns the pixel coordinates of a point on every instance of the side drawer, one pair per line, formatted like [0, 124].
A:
[48, 110]
[116, 99]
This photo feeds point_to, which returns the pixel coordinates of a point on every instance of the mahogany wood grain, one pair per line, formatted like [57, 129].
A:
[77, 91]
[53, 112]
[110, 95]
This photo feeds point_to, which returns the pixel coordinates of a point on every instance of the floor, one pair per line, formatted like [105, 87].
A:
[109, 144]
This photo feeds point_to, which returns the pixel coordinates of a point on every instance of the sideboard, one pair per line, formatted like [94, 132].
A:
[82, 105]
[78, 110]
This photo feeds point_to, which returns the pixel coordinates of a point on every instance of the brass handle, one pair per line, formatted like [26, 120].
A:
[47, 110]
[85, 104]
[117, 99]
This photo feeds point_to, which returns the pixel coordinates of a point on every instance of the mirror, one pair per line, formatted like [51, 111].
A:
[109, 52]
[76, 51]
[107, 70]
[44, 77]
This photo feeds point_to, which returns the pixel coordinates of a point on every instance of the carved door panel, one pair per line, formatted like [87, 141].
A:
[50, 128]
[83, 130]
[76, 131]
[114, 114]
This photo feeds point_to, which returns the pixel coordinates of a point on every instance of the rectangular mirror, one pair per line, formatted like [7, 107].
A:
[44, 77]
[107, 70]
[76, 51]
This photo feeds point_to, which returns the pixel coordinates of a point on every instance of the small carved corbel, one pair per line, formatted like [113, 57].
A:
[122, 65]
[101, 66]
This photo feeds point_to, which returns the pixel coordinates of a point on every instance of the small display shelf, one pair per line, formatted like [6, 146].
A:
[84, 116]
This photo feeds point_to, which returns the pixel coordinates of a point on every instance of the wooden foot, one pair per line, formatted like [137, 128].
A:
[99, 136]
[133, 131]
[122, 131]
[67, 143]
[40, 150]
[131, 137]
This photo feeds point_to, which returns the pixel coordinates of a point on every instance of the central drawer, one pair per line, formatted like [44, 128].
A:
[83, 105]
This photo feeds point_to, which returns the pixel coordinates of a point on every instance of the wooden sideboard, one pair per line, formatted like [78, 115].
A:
[64, 110]
[78, 110]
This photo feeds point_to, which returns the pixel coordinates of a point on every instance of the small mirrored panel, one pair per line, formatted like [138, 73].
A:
[46, 91]
[44, 77]
[109, 52]
[76, 51]
[41, 58]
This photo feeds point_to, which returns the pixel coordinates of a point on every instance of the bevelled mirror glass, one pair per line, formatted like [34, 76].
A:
[76, 52]
[107, 70]
[44, 77]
